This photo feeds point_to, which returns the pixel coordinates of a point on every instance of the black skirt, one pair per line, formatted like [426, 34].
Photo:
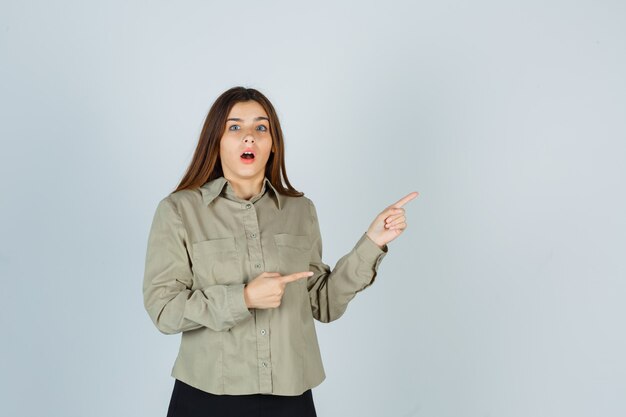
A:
[188, 401]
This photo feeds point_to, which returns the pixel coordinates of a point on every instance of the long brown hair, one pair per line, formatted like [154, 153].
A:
[206, 165]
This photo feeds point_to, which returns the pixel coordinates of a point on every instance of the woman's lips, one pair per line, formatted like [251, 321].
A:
[246, 160]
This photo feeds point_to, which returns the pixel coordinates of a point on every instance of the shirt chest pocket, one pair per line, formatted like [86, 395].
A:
[294, 253]
[216, 261]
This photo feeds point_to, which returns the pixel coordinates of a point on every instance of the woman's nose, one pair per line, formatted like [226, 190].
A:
[248, 138]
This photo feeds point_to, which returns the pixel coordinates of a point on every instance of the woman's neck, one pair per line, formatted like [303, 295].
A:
[246, 188]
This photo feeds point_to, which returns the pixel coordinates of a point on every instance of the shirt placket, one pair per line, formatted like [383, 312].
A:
[251, 228]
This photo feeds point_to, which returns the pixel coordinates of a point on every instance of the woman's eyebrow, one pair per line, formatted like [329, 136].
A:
[237, 119]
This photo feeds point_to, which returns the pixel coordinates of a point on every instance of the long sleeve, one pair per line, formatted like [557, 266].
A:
[331, 291]
[168, 298]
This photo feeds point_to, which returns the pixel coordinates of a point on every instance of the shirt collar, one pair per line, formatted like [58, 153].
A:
[215, 187]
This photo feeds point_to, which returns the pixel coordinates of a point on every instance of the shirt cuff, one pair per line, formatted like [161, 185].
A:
[237, 303]
[369, 251]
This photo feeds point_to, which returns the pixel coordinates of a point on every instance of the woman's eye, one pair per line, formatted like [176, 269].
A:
[262, 128]
[233, 127]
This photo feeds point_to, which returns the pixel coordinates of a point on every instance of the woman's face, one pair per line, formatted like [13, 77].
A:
[247, 132]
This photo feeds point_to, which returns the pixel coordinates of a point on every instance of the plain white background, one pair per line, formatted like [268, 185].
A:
[504, 296]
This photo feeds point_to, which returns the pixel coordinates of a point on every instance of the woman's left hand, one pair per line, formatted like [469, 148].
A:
[390, 223]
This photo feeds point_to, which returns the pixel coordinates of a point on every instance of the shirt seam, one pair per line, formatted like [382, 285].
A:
[180, 218]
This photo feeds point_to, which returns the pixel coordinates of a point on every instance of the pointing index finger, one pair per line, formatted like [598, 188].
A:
[405, 199]
[296, 276]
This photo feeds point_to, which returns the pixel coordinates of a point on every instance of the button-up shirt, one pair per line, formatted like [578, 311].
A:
[204, 245]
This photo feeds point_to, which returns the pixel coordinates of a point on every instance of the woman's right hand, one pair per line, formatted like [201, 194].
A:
[267, 289]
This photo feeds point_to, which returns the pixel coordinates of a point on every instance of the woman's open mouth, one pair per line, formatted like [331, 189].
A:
[247, 157]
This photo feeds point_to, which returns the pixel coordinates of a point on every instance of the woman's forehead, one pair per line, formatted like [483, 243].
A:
[247, 110]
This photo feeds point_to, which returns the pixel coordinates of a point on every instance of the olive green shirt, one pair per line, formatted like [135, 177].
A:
[204, 245]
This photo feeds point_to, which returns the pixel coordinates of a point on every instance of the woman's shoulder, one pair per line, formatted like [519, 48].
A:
[182, 198]
[297, 203]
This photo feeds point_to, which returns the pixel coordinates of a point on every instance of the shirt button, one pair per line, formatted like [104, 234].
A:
[263, 332]
[248, 205]
[257, 266]
[264, 364]
[253, 235]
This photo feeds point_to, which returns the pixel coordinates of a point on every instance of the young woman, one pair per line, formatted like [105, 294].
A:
[234, 262]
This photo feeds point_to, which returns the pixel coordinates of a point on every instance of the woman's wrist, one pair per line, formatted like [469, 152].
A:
[380, 245]
[245, 296]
